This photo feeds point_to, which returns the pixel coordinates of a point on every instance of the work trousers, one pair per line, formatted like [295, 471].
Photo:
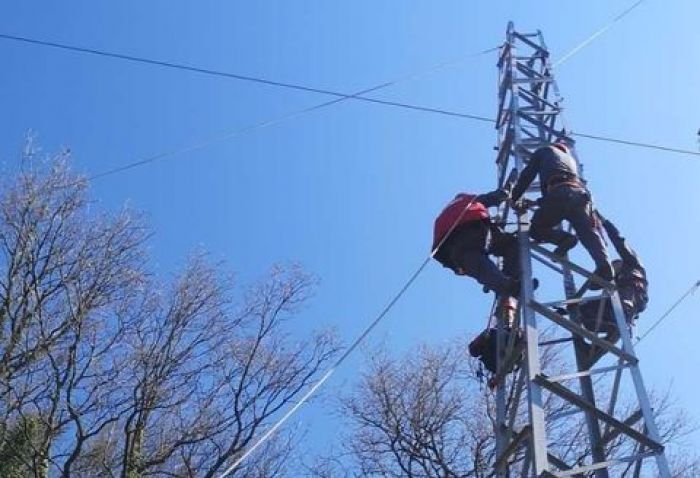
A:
[470, 247]
[632, 297]
[573, 204]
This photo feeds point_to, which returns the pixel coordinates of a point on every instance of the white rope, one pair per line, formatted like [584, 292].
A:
[327, 374]
[595, 35]
[668, 312]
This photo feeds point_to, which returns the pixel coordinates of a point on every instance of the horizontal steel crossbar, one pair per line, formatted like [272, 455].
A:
[577, 400]
[581, 331]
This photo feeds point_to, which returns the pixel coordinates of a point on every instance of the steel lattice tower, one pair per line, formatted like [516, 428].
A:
[532, 402]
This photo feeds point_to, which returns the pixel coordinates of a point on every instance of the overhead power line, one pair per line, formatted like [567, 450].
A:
[595, 35]
[665, 315]
[273, 121]
[638, 144]
[227, 135]
[339, 95]
[254, 79]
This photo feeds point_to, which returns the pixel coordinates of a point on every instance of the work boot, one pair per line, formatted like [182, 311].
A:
[604, 272]
[565, 246]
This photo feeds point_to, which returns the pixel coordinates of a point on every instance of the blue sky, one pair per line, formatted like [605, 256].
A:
[350, 191]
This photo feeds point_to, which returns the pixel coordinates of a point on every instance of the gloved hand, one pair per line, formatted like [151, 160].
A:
[502, 195]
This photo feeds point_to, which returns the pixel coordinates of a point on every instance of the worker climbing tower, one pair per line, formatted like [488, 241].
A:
[595, 419]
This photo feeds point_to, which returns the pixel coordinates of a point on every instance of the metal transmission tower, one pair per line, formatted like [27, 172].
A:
[534, 404]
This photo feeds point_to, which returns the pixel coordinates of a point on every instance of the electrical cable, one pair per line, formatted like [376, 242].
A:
[339, 95]
[270, 122]
[254, 79]
[637, 144]
[327, 374]
[595, 35]
[663, 317]
[228, 135]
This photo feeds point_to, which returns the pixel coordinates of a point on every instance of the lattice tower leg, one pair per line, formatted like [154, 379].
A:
[529, 116]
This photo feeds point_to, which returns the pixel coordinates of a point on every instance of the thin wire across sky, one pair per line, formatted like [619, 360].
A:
[340, 96]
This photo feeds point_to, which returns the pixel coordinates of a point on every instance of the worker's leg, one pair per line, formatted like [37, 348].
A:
[506, 246]
[580, 215]
[547, 217]
[475, 263]
[595, 319]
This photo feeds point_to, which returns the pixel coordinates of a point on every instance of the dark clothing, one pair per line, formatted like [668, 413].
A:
[485, 347]
[631, 284]
[563, 197]
[467, 251]
[464, 209]
[589, 318]
[631, 279]
[573, 204]
[551, 164]
[492, 199]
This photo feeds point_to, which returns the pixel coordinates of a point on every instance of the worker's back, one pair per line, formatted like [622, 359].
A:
[554, 163]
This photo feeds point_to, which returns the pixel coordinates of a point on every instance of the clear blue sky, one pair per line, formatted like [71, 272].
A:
[351, 190]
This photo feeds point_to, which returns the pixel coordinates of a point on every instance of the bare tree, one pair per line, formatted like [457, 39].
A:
[104, 372]
[62, 271]
[209, 376]
[428, 415]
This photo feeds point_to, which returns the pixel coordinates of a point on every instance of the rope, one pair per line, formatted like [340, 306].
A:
[280, 119]
[230, 134]
[638, 144]
[264, 124]
[595, 35]
[690, 291]
[255, 79]
[340, 97]
[327, 374]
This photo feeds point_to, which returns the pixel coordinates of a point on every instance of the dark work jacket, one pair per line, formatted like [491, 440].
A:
[631, 280]
[470, 234]
[549, 162]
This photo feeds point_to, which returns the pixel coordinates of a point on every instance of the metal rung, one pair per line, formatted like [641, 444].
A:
[559, 463]
[544, 79]
[630, 421]
[579, 401]
[587, 373]
[558, 416]
[545, 262]
[514, 444]
[574, 267]
[604, 464]
[533, 97]
[555, 342]
[577, 300]
[522, 111]
[529, 142]
[535, 56]
[579, 330]
[524, 38]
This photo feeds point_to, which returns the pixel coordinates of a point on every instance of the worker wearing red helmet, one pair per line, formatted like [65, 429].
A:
[563, 197]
